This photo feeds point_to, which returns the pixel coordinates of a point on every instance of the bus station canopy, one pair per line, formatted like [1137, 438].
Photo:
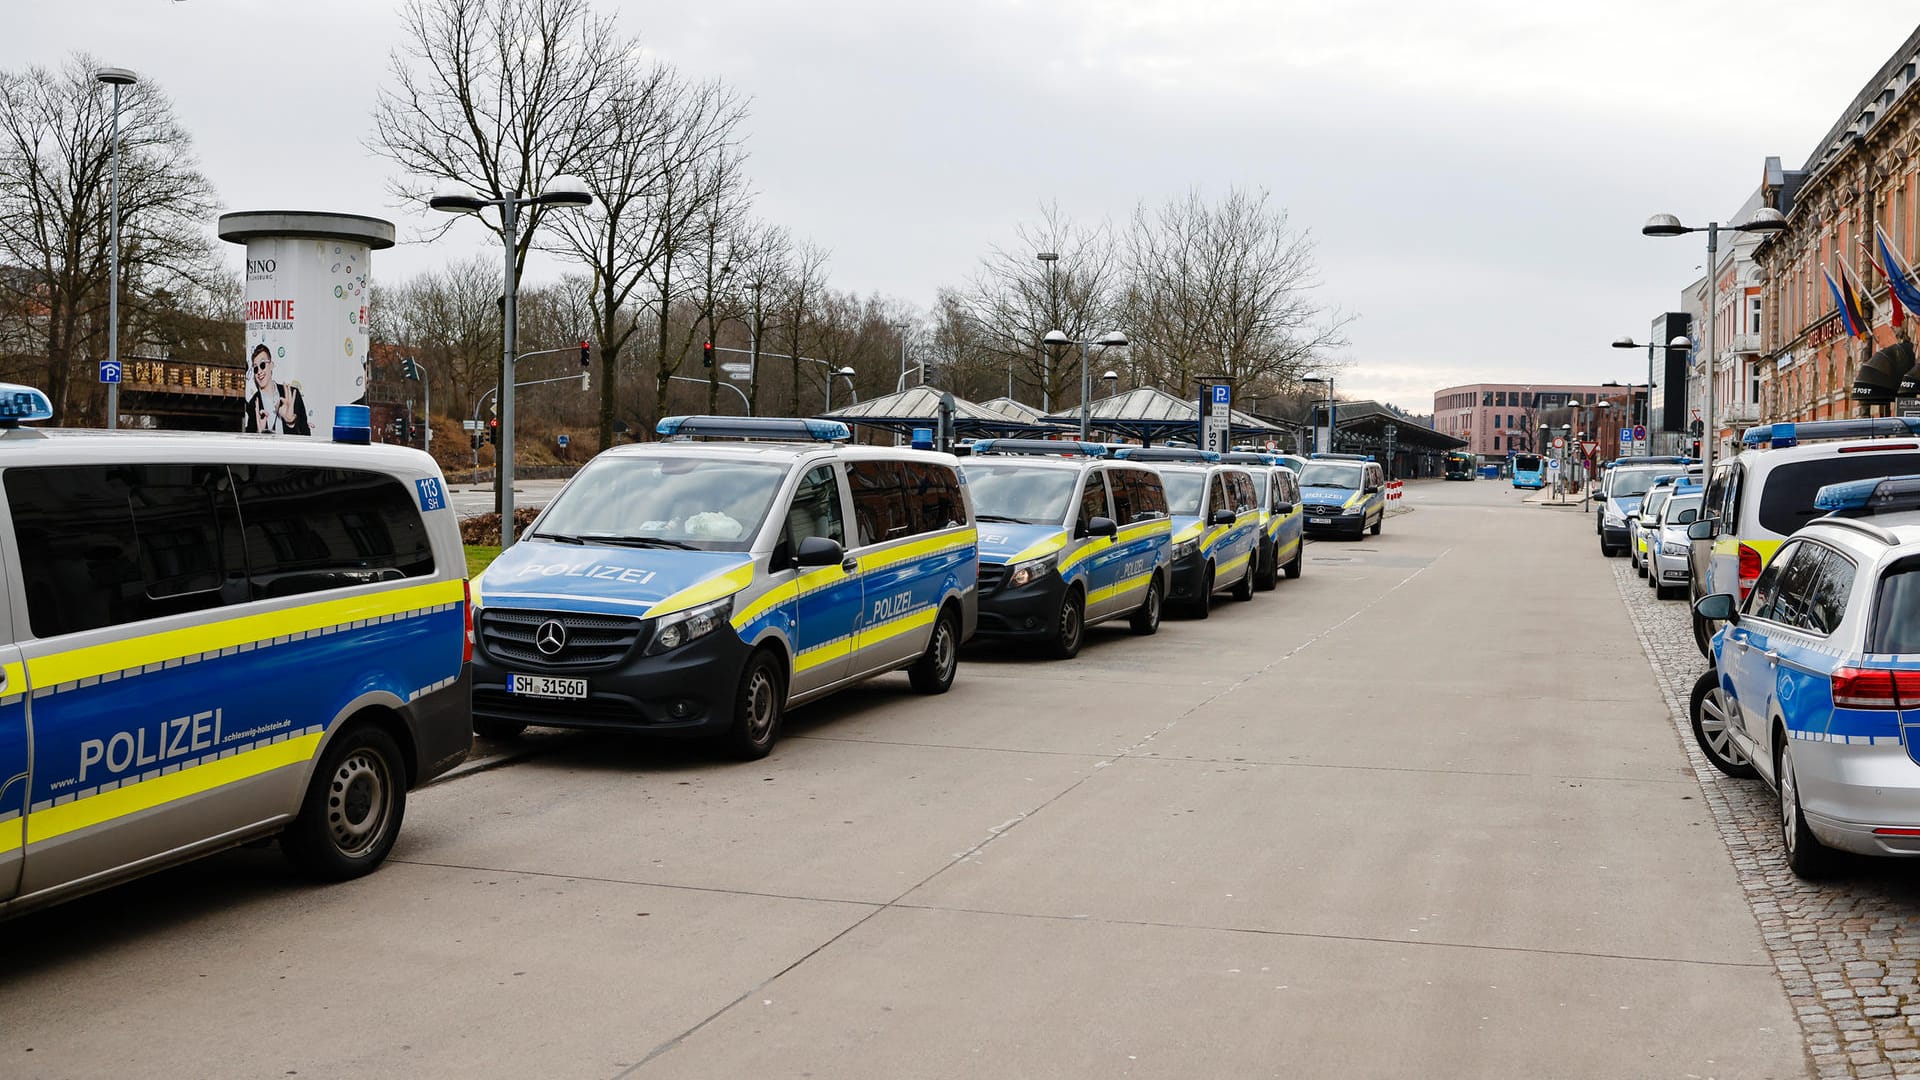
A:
[1148, 414]
[1014, 410]
[919, 407]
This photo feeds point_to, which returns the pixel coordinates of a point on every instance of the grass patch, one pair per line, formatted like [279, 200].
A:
[478, 556]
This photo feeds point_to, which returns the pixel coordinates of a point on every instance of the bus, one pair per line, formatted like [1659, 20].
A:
[1529, 471]
[1459, 465]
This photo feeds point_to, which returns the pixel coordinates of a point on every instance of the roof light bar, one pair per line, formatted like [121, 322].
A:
[1341, 457]
[1165, 453]
[1250, 457]
[1039, 447]
[22, 403]
[1781, 436]
[1874, 495]
[766, 428]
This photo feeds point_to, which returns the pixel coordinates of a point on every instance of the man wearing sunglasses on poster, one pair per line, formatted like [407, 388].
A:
[275, 408]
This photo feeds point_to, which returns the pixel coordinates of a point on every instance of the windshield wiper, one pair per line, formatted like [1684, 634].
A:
[1000, 517]
[636, 541]
[560, 537]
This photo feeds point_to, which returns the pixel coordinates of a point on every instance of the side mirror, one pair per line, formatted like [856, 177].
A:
[1283, 508]
[819, 551]
[1103, 526]
[1716, 607]
[1370, 489]
[1703, 529]
[1225, 517]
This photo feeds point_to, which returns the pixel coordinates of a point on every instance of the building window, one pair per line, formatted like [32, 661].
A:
[1753, 315]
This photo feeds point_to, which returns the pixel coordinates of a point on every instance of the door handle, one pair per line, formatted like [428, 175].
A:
[1772, 657]
[850, 564]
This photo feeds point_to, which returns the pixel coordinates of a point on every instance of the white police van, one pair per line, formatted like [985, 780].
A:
[209, 639]
[1216, 513]
[703, 588]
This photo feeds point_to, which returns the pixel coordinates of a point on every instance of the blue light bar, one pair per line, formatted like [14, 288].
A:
[1874, 495]
[770, 428]
[1166, 453]
[1039, 447]
[19, 403]
[1781, 436]
[1341, 457]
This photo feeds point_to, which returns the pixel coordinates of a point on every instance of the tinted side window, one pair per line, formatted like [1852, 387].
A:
[1121, 485]
[816, 509]
[1760, 598]
[313, 528]
[1093, 499]
[879, 500]
[1786, 502]
[1150, 497]
[1896, 610]
[1794, 591]
[1244, 496]
[1220, 499]
[1290, 487]
[933, 497]
[102, 545]
[1827, 603]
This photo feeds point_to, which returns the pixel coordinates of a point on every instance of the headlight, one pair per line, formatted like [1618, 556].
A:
[1673, 548]
[677, 630]
[1032, 570]
[1185, 548]
[1613, 517]
[1355, 509]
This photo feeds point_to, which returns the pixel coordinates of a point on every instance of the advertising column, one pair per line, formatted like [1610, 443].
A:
[306, 309]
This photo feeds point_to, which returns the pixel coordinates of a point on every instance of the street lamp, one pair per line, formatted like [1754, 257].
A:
[840, 373]
[1328, 379]
[116, 78]
[1764, 220]
[563, 191]
[1112, 379]
[1057, 342]
[1678, 342]
[1046, 358]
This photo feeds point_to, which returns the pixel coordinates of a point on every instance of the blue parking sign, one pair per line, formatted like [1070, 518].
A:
[1222, 394]
[109, 371]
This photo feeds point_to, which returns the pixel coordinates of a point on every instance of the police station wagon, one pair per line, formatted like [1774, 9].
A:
[1067, 540]
[209, 639]
[703, 588]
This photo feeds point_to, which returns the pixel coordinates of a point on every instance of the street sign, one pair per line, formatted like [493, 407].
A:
[563, 442]
[732, 367]
[1626, 436]
[1216, 424]
[740, 376]
[109, 371]
[470, 425]
[1590, 447]
[1559, 443]
[1639, 433]
[1552, 464]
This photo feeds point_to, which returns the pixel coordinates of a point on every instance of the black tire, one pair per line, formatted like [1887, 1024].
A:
[1146, 617]
[1703, 637]
[1268, 577]
[1243, 589]
[1203, 607]
[488, 728]
[1375, 530]
[1299, 559]
[933, 672]
[1069, 626]
[759, 707]
[352, 811]
[1711, 711]
[1666, 592]
[1807, 857]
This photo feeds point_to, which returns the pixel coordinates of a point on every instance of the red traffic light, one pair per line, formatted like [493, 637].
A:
[586, 358]
[706, 353]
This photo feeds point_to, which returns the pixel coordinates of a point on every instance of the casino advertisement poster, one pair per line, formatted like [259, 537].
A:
[306, 333]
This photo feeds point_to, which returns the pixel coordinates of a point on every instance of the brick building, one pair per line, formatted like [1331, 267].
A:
[1495, 419]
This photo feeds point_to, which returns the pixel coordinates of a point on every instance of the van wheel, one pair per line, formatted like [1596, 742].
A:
[1269, 576]
[933, 672]
[1703, 637]
[1070, 626]
[1299, 559]
[351, 814]
[1714, 713]
[1243, 589]
[1375, 530]
[488, 728]
[1203, 607]
[1146, 617]
[1807, 857]
[759, 704]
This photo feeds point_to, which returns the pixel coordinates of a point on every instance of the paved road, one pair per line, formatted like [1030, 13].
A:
[471, 499]
[1420, 813]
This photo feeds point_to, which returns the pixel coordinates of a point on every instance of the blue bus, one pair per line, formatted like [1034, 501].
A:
[1529, 471]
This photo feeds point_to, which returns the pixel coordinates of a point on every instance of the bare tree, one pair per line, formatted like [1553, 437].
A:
[792, 309]
[450, 319]
[55, 155]
[698, 214]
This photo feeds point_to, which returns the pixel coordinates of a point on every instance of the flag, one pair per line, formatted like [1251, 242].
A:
[1899, 277]
[1851, 288]
[1897, 317]
[1849, 317]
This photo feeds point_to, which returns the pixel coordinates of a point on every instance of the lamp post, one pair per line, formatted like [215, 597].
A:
[1057, 342]
[840, 373]
[1764, 220]
[1328, 379]
[1678, 342]
[116, 78]
[563, 191]
[414, 371]
[1112, 379]
[1046, 358]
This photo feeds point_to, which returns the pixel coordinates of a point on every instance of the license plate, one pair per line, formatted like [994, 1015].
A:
[546, 686]
[1319, 521]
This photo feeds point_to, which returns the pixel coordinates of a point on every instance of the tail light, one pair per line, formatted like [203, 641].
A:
[1875, 688]
[1749, 570]
[466, 652]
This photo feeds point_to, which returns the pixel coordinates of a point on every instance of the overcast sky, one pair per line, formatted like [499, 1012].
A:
[1474, 173]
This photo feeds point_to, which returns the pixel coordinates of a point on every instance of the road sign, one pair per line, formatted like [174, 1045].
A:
[740, 376]
[1559, 443]
[1626, 436]
[1553, 463]
[732, 367]
[1639, 433]
[109, 371]
[470, 425]
[1590, 447]
[563, 442]
[1222, 394]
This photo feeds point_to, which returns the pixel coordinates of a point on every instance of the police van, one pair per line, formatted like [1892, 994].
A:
[1282, 530]
[1216, 523]
[1344, 493]
[1067, 539]
[702, 588]
[211, 639]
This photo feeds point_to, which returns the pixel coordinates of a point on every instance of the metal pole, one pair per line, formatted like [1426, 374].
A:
[508, 229]
[1710, 431]
[426, 390]
[113, 275]
[1086, 392]
[753, 362]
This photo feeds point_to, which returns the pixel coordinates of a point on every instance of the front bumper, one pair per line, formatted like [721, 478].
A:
[1187, 578]
[1672, 569]
[1613, 535]
[686, 691]
[1029, 611]
[1849, 790]
[1353, 524]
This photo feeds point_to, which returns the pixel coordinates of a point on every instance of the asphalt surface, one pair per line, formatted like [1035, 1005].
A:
[1421, 812]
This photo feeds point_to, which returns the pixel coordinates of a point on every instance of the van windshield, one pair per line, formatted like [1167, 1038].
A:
[682, 502]
[1184, 490]
[1323, 474]
[1003, 491]
[1626, 483]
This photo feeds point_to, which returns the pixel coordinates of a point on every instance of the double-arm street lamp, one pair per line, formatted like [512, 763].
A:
[563, 191]
[1678, 342]
[116, 78]
[1057, 344]
[1764, 220]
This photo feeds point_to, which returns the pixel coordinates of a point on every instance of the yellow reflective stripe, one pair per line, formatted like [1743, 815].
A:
[706, 591]
[893, 628]
[823, 654]
[817, 578]
[1187, 533]
[122, 655]
[11, 833]
[1034, 551]
[59, 820]
[1111, 591]
[1092, 547]
[1145, 528]
[945, 541]
[1231, 563]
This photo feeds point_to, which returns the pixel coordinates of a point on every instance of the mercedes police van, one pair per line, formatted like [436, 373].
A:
[1216, 523]
[1067, 539]
[1282, 544]
[1344, 493]
[211, 639]
[702, 588]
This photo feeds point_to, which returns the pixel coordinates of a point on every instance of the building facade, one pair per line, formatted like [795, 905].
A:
[1497, 419]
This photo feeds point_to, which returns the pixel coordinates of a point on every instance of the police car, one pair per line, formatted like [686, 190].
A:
[1815, 686]
[1666, 539]
[210, 639]
[703, 588]
[1067, 539]
[1282, 544]
[1623, 489]
[1343, 493]
[1216, 523]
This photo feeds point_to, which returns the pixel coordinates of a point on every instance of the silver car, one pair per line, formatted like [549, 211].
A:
[1667, 543]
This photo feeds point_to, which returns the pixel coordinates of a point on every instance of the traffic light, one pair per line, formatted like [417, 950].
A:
[493, 430]
[706, 354]
[475, 440]
[586, 358]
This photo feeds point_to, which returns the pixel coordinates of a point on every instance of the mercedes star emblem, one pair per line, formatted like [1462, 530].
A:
[550, 638]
